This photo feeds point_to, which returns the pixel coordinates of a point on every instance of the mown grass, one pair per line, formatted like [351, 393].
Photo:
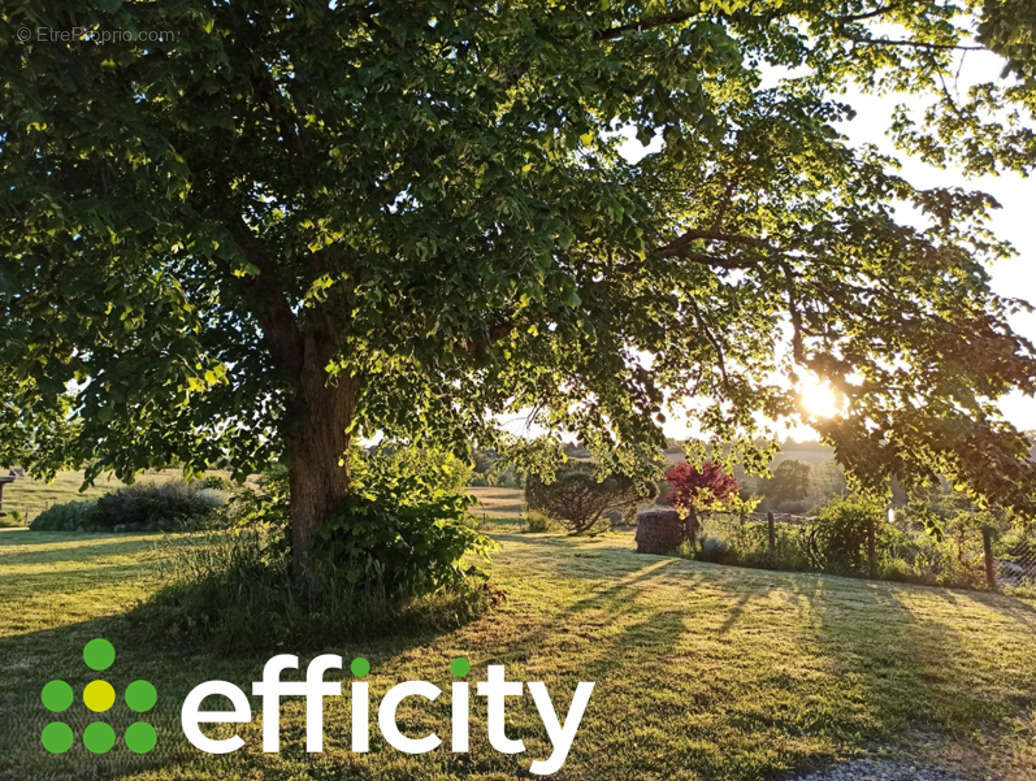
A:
[497, 504]
[702, 671]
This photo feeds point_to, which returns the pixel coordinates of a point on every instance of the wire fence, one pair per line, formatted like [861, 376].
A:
[21, 512]
[897, 549]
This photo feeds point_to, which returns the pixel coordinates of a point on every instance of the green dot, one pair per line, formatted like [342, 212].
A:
[460, 666]
[359, 667]
[57, 737]
[141, 696]
[98, 737]
[140, 737]
[57, 696]
[99, 654]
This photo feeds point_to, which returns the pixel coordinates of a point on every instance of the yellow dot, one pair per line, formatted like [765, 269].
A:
[99, 696]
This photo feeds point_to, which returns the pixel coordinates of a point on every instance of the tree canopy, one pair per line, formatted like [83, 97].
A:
[244, 231]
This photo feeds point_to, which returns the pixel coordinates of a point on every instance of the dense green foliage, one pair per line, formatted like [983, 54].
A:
[156, 506]
[285, 227]
[840, 533]
[403, 534]
[145, 506]
[385, 550]
[65, 516]
[429, 470]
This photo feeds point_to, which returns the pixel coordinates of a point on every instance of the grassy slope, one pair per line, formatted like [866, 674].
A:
[497, 503]
[702, 671]
[31, 497]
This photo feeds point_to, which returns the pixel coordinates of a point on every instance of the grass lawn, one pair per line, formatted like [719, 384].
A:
[701, 671]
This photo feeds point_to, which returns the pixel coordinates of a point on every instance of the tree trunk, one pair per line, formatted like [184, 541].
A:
[316, 450]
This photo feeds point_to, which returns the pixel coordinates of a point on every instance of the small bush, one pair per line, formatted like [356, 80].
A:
[715, 551]
[67, 516]
[536, 521]
[164, 506]
[840, 535]
[579, 500]
[900, 570]
[390, 551]
[215, 482]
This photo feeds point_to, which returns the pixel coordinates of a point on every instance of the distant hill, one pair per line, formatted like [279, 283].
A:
[812, 453]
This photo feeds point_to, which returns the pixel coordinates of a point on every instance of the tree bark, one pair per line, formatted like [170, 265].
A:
[316, 450]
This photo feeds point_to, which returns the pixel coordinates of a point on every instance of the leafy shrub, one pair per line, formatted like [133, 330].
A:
[388, 550]
[265, 505]
[231, 592]
[435, 470]
[840, 533]
[715, 551]
[215, 482]
[155, 506]
[67, 516]
[536, 521]
[579, 500]
[898, 569]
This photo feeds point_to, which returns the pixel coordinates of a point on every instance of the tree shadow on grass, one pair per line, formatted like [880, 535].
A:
[904, 662]
[28, 585]
[847, 661]
[33, 658]
[79, 550]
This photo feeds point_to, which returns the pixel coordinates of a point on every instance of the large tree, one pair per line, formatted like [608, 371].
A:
[241, 231]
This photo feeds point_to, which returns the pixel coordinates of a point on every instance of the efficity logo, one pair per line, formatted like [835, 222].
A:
[140, 696]
[99, 697]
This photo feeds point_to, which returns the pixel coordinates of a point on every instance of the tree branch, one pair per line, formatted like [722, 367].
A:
[916, 44]
[644, 24]
[721, 360]
[265, 297]
[880, 11]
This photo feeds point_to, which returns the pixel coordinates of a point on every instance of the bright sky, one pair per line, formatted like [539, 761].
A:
[1013, 221]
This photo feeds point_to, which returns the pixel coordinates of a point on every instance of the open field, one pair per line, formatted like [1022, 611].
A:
[30, 497]
[701, 671]
[497, 503]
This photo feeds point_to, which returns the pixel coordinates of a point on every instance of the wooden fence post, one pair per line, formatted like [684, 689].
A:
[772, 531]
[987, 548]
[872, 552]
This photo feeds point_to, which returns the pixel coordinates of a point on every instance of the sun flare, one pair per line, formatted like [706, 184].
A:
[818, 399]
